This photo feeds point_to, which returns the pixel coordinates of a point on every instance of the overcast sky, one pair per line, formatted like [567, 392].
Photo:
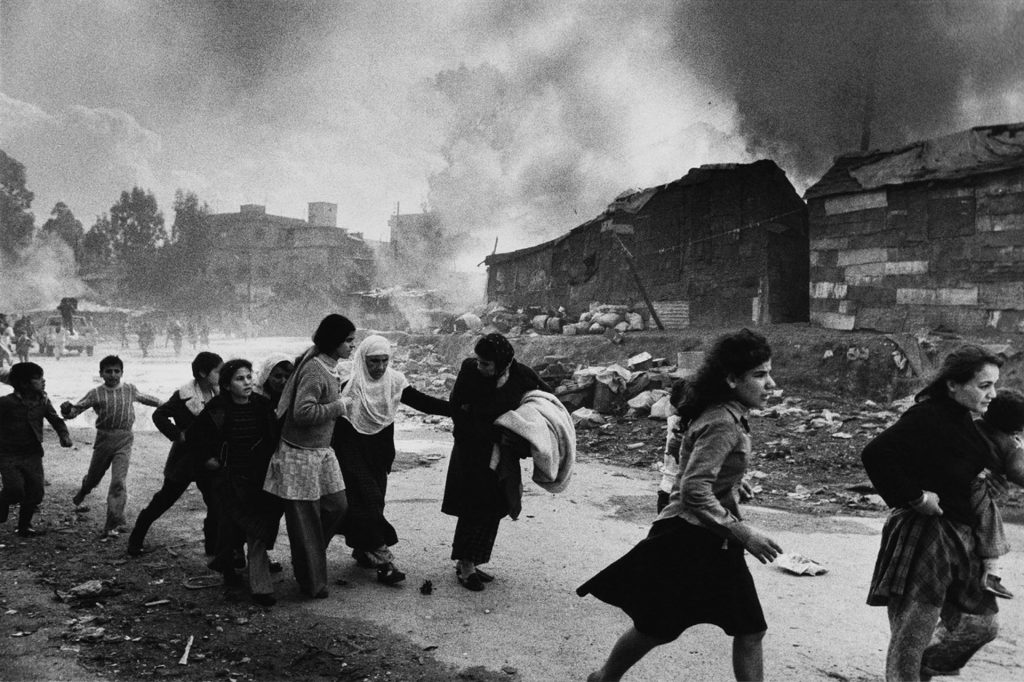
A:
[520, 119]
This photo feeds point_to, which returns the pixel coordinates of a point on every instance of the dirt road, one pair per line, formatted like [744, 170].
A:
[529, 621]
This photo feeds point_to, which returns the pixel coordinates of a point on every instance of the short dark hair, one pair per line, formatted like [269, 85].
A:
[228, 371]
[1006, 411]
[205, 362]
[332, 330]
[24, 372]
[111, 361]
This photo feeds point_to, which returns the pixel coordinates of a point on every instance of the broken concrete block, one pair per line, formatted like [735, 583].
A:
[635, 321]
[585, 417]
[640, 362]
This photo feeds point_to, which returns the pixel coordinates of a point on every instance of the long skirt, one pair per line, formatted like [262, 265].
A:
[678, 576]
[365, 462]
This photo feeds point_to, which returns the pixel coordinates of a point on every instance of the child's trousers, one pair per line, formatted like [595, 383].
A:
[113, 450]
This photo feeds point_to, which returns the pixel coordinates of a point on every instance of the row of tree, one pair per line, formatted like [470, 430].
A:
[131, 239]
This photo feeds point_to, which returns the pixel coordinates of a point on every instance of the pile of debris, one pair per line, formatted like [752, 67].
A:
[610, 320]
[641, 388]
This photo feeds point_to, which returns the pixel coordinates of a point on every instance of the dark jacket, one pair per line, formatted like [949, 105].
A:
[472, 487]
[21, 424]
[934, 446]
[172, 419]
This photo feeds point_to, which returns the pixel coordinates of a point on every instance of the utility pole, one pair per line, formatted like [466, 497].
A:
[639, 283]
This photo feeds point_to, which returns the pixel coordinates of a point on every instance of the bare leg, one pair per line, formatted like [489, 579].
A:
[630, 648]
[748, 657]
[911, 624]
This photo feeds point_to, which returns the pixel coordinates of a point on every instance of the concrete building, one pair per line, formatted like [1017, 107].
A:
[926, 236]
[724, 244]
[270, 260]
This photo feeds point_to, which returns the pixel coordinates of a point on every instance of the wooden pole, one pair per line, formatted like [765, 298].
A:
[639, 283]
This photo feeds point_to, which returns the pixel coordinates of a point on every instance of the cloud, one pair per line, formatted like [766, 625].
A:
[82, 156]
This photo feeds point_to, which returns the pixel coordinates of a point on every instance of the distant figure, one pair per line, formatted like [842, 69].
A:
[193, 334]
[204, 334]
[125, 329]
[22, 346]
[67, 308]
[177, 334]
[146, 337]
[7, 342]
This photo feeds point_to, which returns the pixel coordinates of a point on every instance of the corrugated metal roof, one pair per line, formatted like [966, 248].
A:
[985, 149]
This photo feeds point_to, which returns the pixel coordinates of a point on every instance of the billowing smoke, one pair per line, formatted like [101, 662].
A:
[43, 274]
[803, 72]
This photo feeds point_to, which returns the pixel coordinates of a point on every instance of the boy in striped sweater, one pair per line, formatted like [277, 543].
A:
[114, 403]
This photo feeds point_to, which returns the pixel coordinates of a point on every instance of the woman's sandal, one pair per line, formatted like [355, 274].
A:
[471, 582]
[484, 577]
[389, 575]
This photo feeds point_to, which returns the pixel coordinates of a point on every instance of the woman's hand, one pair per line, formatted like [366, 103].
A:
[757, 543]
[762, 547]
[927, 504]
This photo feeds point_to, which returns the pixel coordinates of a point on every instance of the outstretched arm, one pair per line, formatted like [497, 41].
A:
[427, 404]
[70, 411]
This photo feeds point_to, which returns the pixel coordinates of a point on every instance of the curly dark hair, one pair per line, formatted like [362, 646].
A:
[732, 354]
[1006, 411]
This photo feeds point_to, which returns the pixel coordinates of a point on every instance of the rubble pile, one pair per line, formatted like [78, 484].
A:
[610, 320]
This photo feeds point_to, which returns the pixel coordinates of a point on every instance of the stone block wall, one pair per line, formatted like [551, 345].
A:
[924, 255]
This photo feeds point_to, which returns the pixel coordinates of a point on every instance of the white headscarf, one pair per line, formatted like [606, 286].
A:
[271, 361]
[374, 402]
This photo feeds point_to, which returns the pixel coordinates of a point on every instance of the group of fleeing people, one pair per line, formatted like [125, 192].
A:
[304, 441]
[299, 438]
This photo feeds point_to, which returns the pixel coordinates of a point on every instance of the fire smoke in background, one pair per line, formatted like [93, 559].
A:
[517, 120]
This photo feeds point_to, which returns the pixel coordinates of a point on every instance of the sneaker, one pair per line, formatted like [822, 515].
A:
[994, 585]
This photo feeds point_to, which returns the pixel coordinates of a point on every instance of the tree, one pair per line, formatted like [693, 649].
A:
[64, 225]
[188, 218]
[17, 224]
[98, 245]
[137, 225]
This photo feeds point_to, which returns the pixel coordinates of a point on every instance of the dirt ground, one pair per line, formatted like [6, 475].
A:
[140, 623]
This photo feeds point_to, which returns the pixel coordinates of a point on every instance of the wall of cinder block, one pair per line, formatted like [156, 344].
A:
[926, 255]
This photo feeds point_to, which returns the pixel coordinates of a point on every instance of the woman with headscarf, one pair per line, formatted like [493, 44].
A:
[364, 441]
[304, 471]
[488, 385]
[273, 376]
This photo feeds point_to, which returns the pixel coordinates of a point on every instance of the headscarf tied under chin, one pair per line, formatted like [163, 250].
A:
[496, 348]
[374, 401]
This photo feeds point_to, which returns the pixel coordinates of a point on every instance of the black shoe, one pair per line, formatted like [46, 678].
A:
[389, 575]
[232, 579]
[276, 567]
[362, 558]
[30, 532]
[994, 585]
[264, 599]
[139, 550]
[5, 511]
[322, 594]
[484, 577]
[471, 582]
[238, 560]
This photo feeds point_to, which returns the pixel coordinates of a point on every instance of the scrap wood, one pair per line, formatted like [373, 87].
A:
[188, 647]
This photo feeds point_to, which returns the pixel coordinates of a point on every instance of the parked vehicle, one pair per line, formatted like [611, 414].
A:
[83, 340]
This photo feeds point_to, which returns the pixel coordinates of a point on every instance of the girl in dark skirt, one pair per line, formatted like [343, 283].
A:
[690, 568]
[236, 434]
[364, 441]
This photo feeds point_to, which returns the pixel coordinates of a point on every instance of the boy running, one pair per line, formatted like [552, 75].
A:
[115, 415]
[21, 443]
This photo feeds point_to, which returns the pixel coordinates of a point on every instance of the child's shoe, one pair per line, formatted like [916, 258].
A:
[994, 585]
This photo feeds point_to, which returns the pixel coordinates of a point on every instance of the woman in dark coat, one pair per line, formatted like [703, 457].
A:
[236, 434]
[927, 568]
[364, 441]
[487, 386]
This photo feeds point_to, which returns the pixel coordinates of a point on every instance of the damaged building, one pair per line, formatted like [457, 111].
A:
[725, 244]
[307, 263]
[927, 236]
